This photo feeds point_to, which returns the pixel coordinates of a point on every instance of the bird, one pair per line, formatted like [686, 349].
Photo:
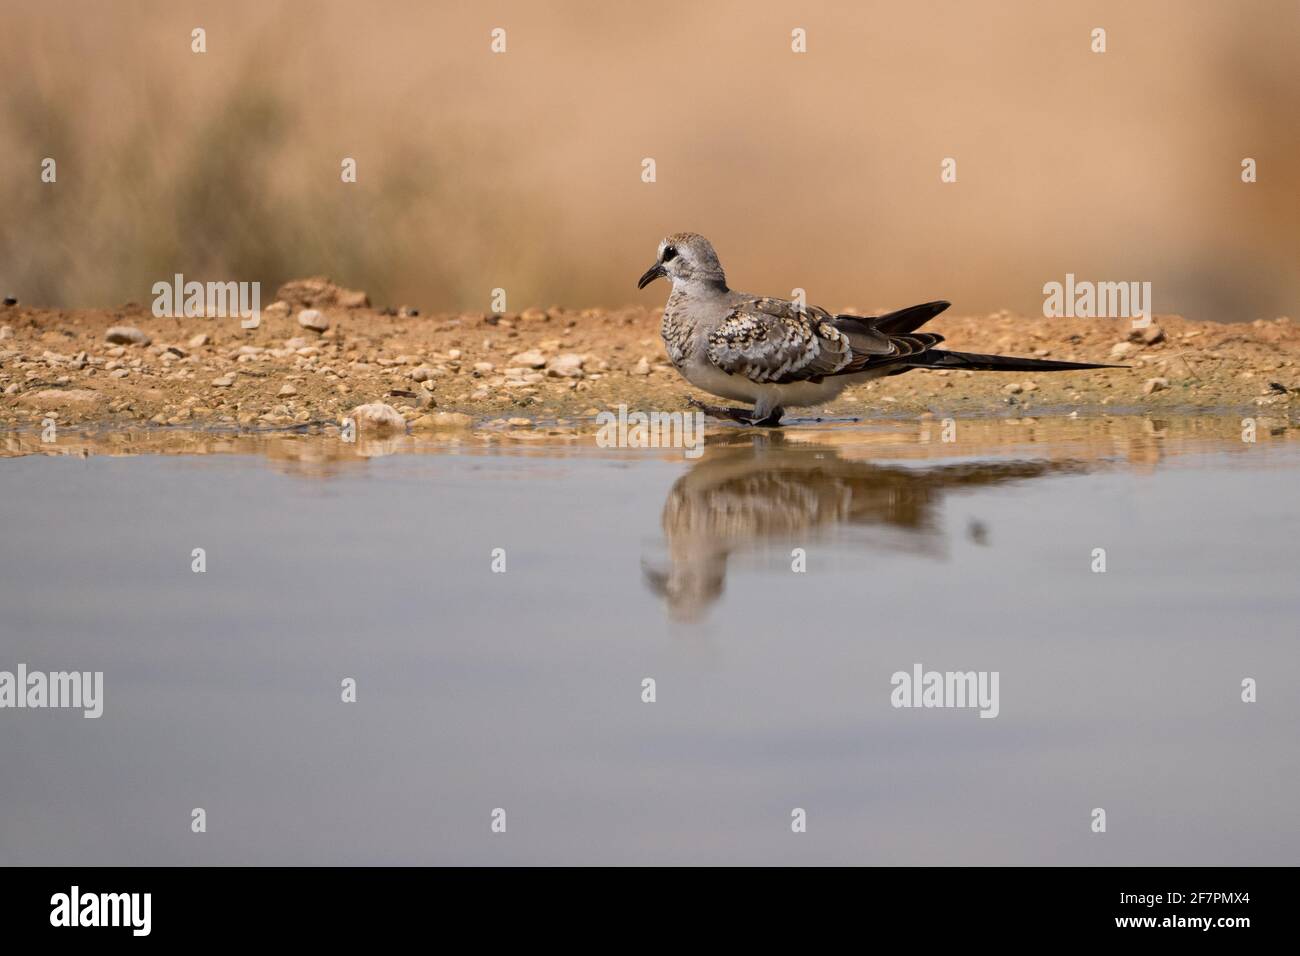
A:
[774, 353]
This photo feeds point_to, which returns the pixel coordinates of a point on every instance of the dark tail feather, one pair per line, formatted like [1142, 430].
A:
[942, 358]
[909, 319]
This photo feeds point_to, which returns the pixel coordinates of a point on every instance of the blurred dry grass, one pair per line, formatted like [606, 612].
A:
[522, 170]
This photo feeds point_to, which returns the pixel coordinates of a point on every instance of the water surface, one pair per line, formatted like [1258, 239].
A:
[522, 690]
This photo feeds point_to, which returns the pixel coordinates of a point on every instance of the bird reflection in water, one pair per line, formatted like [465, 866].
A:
[750, 492]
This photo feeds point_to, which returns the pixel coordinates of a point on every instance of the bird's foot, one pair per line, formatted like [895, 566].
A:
[738, 415]
[741, 416]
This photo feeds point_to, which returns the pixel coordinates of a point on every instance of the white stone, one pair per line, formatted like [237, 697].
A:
[313, 319]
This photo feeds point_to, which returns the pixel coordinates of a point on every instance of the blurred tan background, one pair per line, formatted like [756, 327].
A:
[522, 170]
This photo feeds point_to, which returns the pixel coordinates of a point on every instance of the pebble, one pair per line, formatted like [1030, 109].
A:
[378, 416]
[1121, 349]
[277, 310]
[286, 390]
[423, 374]
[568, 365]
[530, 359]
[642, 367]
[61, 396]
[225, 381]
[1155, 385]
[443, 420]
[1014, 388]
[320, 291]
[1147, 336]
[313, 319]
[126, 335]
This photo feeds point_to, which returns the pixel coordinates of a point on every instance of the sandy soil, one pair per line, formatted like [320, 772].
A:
[445, 371]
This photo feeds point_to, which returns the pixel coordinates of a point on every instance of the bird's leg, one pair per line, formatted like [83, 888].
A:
[739, 415]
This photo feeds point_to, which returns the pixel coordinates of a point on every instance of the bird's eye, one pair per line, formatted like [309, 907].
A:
[670, 254]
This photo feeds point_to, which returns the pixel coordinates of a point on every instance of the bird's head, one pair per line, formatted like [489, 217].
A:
[685, 257]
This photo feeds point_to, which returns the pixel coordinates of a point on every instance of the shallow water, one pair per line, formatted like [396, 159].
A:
[522, 690]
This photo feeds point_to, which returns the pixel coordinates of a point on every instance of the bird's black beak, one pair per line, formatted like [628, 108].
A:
[656, 271]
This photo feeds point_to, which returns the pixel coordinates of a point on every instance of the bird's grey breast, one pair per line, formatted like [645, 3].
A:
[682, 320]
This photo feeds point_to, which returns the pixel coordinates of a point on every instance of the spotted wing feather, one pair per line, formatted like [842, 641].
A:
[775, 341]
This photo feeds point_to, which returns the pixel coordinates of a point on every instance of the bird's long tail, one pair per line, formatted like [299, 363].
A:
[943, 358]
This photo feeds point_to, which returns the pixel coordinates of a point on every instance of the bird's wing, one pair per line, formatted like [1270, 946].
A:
[776, 341]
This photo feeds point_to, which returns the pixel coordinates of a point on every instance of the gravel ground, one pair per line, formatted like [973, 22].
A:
[125, 366]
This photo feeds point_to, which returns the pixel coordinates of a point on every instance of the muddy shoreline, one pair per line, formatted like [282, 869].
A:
[546, 366]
